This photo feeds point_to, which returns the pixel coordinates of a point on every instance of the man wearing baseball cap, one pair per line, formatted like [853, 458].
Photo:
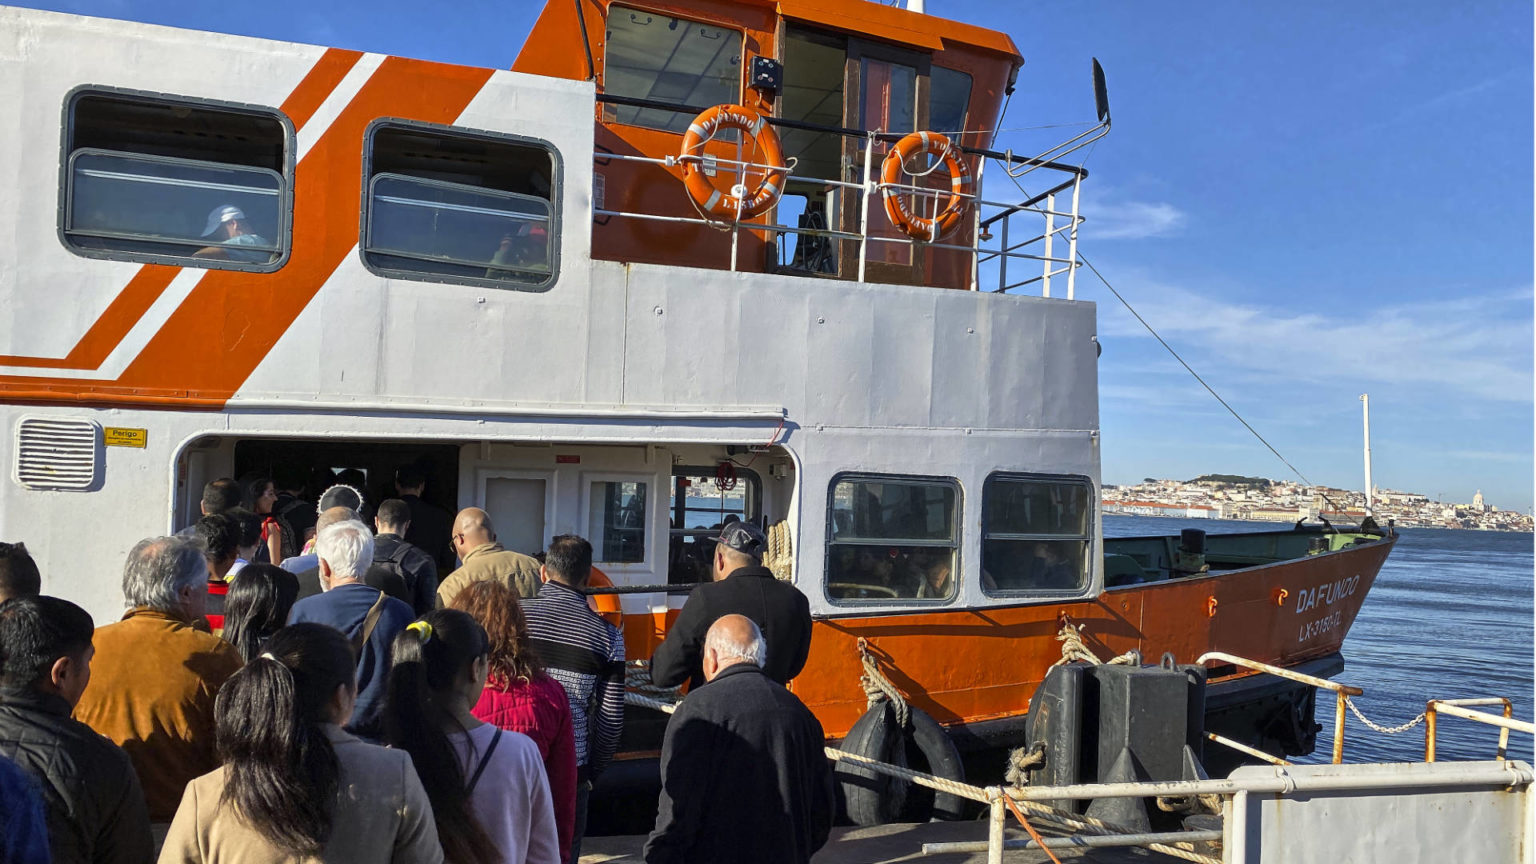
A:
[228, 227]
[741, 586]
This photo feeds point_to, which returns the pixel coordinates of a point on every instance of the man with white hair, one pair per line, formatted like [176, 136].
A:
[156, 672]
[744, 777]
[367, 616]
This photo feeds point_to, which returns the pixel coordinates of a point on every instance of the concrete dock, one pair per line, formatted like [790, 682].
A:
[887, 844]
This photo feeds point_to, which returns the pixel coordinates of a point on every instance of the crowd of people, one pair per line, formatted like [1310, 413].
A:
[301, 686]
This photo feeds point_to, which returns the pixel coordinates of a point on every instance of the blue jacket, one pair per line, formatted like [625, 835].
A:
[344, 607]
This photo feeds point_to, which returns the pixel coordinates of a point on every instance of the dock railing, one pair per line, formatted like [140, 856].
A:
[1463, 708]
[1342, 692]
[999, 248]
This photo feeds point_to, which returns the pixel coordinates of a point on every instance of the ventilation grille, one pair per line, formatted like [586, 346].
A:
[56, 454]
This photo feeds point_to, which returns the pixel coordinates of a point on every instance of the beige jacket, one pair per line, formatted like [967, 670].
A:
[383, 816]
[514, 569]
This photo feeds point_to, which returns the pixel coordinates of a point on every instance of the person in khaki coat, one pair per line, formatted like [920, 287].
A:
[156, 672]
[294, 787]
[475, 542]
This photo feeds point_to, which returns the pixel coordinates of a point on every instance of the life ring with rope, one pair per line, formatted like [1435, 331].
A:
[739, 203]
[896, 209]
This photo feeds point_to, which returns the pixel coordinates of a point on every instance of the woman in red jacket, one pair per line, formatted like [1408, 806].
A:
[520, 697]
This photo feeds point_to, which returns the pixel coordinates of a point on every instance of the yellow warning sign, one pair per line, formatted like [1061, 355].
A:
[115, 436]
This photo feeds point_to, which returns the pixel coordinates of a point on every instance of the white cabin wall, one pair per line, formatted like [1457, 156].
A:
[45, 55]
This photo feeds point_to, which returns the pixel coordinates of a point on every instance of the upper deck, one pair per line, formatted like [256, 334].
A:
[436, 237]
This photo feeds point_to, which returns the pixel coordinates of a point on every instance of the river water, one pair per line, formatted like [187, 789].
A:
[1450, 617]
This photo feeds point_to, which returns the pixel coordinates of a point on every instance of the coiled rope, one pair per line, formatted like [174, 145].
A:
[780, 559]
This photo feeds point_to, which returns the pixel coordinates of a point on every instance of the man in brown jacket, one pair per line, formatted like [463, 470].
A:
[475, 542]
[157, 671]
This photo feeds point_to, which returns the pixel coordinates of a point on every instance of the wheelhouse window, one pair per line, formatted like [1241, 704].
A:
[1035, 534]
[950, 95]
[703, 500]
[665, 59]
[451, 205]
[616, 519]
[892, 538]
[187, 182]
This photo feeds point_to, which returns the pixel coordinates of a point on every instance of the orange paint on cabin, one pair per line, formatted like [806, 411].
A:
[878, 44]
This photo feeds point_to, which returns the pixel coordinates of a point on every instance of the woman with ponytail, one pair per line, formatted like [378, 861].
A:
[294, 787]
[489, 795]
[519, 696]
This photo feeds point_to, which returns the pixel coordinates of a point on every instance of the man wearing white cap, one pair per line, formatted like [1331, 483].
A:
[228, 226]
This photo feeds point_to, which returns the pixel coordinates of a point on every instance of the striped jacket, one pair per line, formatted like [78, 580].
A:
[586, 655]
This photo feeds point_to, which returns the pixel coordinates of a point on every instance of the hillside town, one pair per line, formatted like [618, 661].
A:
[1227, 496]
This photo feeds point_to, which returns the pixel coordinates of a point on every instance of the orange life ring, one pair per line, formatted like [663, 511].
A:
[738, 203]
[947, 219]
[606, 605]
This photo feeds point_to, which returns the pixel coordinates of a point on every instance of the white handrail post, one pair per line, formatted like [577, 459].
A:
[869, 161]
[981, 165]
[1050, 235]
[995, 823]
[1077, 185]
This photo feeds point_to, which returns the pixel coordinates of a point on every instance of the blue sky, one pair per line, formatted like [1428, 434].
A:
[1310, 201]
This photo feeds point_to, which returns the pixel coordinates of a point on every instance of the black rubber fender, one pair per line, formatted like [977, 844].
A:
[869, 798]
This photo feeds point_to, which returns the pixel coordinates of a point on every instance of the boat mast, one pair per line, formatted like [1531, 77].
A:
[1365, 399]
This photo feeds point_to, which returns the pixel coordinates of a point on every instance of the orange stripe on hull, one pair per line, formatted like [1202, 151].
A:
[968, 666]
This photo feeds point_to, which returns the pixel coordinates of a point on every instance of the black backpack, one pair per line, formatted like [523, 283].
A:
[395, 563]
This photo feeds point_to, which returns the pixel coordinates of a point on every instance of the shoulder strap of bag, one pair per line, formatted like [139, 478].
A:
[370, 621]
[484, 761]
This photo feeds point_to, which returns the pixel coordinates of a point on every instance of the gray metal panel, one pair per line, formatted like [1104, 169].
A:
[1437, 819]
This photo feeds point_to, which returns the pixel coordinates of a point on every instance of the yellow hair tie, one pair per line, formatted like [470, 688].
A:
[421, 627]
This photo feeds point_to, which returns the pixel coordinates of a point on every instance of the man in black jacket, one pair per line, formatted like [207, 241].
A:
[742, 585]
[392, 552]
[95, 806]
[744, 778]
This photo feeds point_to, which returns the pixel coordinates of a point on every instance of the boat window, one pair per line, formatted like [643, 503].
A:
[616, 520]
[892, 538]
[666, 59]
[186, 182]
[1035, 533]
[450, 205]
[702, 501]
[951, 93]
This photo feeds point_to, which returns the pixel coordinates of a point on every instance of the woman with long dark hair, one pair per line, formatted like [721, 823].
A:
[294, 786]
[488, 790]
[277, 536]
[520, 697]
[256, 606]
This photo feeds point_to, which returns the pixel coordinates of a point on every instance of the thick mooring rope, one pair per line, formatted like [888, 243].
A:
[877, 687]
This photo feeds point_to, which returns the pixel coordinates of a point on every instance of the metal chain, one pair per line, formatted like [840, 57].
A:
[1384, 729]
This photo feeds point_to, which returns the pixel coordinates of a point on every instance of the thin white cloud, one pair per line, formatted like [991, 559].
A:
[1474, 345]
[1132, 220]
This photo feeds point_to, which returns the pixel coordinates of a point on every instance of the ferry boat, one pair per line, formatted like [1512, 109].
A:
[679, 253]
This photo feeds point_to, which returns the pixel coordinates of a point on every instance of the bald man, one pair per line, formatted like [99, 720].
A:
[744, 777]
[474, 541]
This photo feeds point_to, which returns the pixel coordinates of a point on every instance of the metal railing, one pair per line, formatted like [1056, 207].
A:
[1060, 226]
[1342, 693]
[1462, 708]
